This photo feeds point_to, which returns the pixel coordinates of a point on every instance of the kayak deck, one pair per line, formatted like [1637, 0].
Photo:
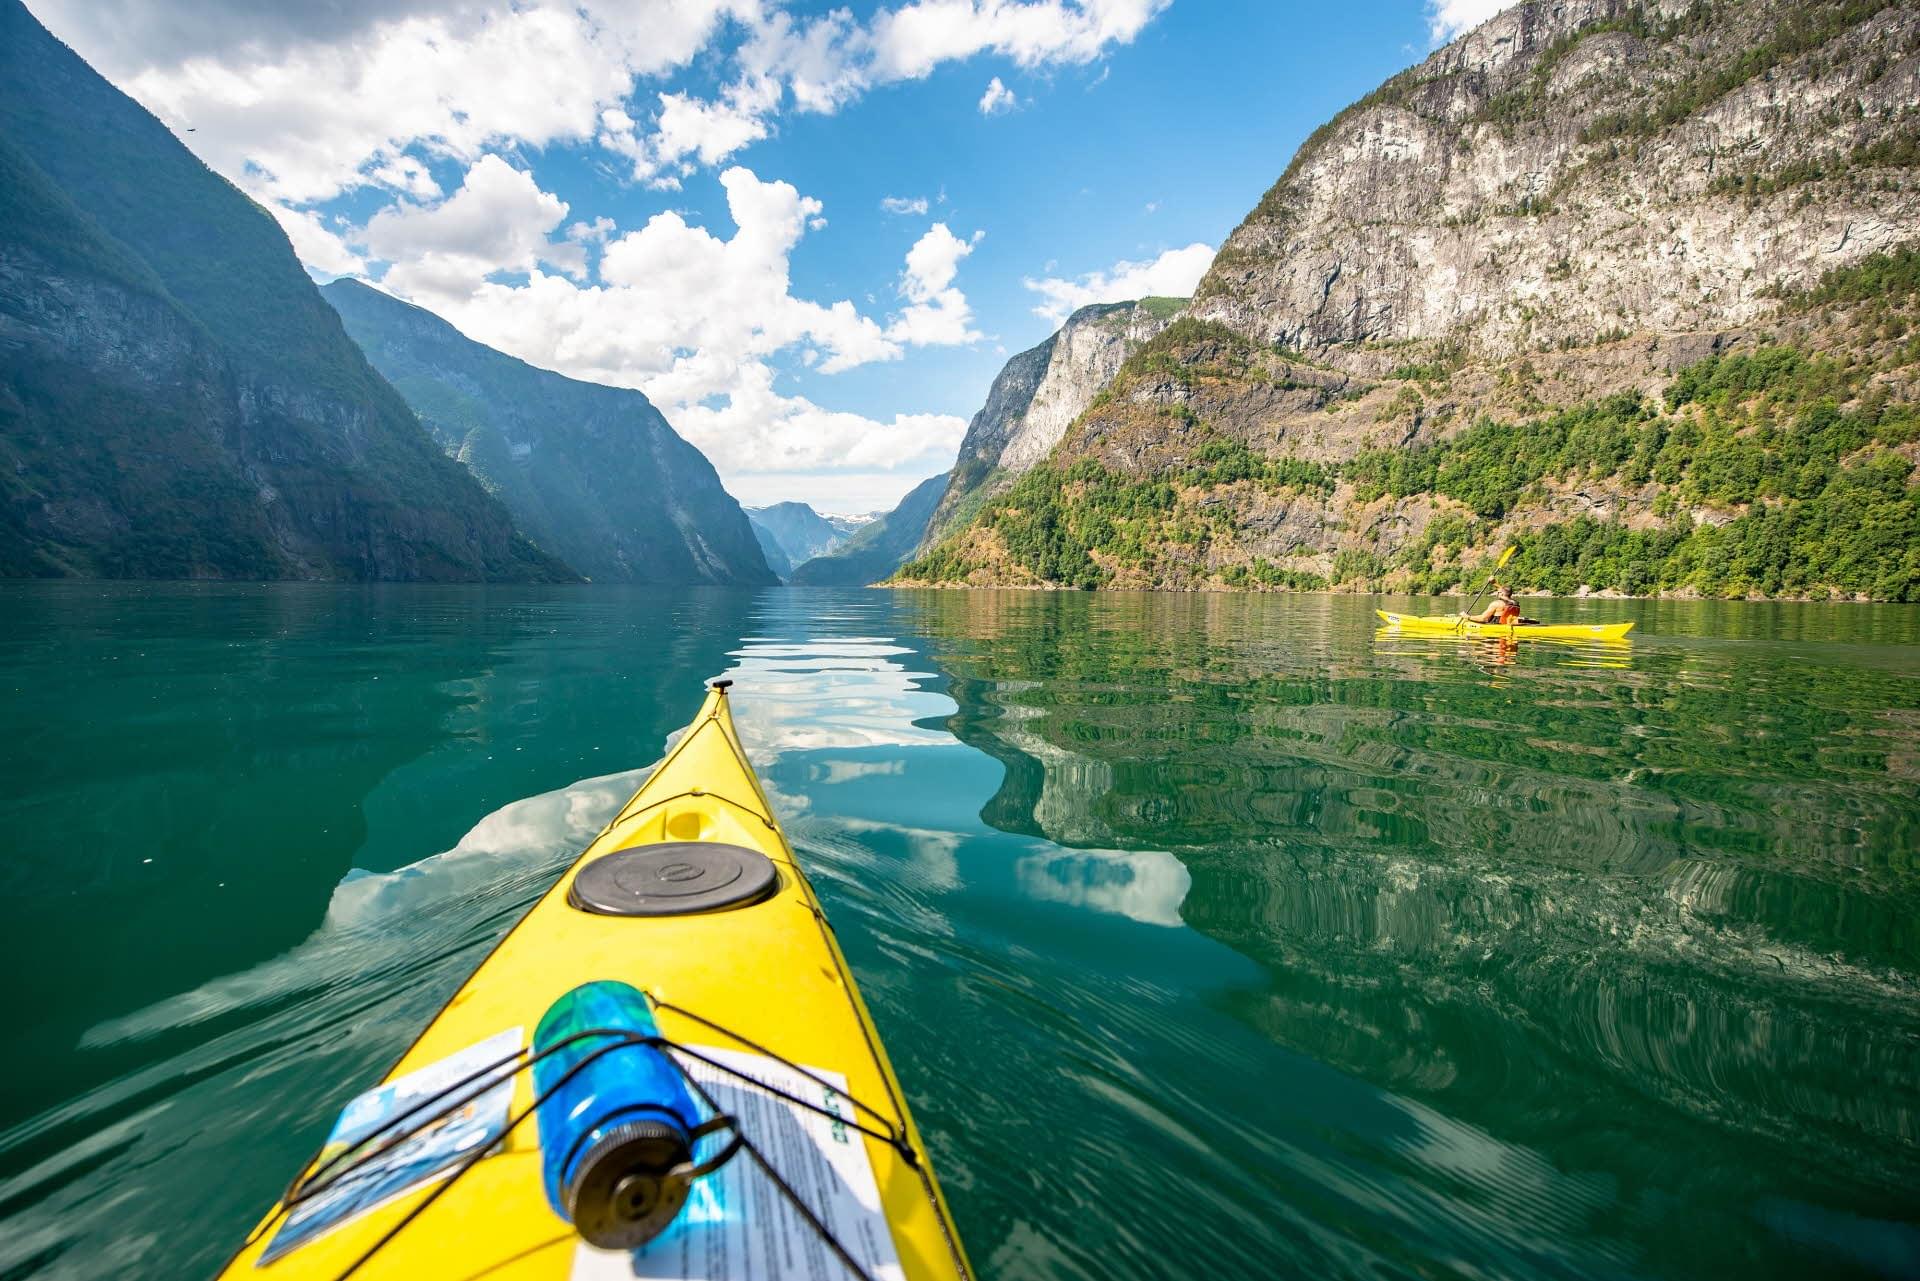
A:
[770, 973]
[1453, 625]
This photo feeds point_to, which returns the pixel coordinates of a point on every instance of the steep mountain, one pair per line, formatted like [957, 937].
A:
[795, 532]
[1036, 395]
[594, 474]
[770, 550]
[1631, 285]
[878, 547]
[175, 398]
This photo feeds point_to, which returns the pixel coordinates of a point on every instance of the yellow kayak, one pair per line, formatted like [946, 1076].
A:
[1453, 625]
[690, 902]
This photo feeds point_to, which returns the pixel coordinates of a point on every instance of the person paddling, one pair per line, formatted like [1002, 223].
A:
[1501, 611]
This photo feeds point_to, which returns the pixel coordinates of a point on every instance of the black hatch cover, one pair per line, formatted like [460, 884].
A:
[673, 879]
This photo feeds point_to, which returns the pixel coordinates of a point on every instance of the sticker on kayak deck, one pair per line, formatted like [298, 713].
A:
[736, 1225]
[416, 1153]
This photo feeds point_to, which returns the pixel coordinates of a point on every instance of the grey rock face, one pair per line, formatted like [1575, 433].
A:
[1087, 352]
[1574, 169]
[987, 436]
[1033, 401]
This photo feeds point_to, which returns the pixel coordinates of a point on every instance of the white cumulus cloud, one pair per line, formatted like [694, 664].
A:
[997, 98]
[1449, 18]
[306, 121]
[687, 130]
[1172, 275]
[692, 319]
[823, 63]
[792, 434]
[303, 106]
[498, 221]
[318, 245]
[937, 313]
[592, 233]
[910, 41]
[300, 103]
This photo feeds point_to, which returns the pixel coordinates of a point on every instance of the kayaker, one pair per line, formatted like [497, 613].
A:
[1502, 611]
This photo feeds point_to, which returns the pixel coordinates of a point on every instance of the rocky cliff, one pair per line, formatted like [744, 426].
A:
[1578, 168]
[1034, 399]
[175, 398]
[880, 546]
[593, 474]
[1629, 284]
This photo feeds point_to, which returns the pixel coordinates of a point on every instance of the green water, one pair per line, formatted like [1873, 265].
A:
[1211, 936]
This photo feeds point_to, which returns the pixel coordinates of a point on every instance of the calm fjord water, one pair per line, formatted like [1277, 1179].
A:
[1210, 936]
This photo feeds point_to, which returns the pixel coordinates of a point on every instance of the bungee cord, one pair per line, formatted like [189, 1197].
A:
[345, 1165]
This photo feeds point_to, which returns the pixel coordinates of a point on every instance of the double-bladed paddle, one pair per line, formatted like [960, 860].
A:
[1498, 565]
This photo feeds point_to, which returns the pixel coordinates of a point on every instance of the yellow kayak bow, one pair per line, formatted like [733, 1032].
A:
[1452, 625]
[743, 970]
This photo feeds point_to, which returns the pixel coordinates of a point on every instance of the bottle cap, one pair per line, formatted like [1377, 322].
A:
[624, 1190]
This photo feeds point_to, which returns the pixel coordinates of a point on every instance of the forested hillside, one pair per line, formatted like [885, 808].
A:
[1676, 354]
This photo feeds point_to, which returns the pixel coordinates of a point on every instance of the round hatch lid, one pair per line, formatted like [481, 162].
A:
[673, 879]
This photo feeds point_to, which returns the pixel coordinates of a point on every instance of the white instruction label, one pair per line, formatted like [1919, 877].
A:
[392, 1159]
[738, 1226]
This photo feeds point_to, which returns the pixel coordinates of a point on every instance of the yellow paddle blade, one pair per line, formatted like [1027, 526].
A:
[1506, 556]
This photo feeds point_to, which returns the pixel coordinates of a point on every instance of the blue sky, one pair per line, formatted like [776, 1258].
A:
[811, 234]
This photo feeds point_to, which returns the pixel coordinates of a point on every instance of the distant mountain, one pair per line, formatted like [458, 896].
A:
[879, 546]
[175, 398]
[795, 532]
[593, 474]
[849, 524]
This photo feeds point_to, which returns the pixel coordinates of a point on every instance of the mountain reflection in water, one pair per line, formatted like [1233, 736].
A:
[1208, 935]
[1645, 914]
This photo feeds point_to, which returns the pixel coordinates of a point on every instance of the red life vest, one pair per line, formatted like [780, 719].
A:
[1509, 614]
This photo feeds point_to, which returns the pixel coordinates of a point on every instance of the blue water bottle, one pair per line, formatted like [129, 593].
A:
[616, 1141]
